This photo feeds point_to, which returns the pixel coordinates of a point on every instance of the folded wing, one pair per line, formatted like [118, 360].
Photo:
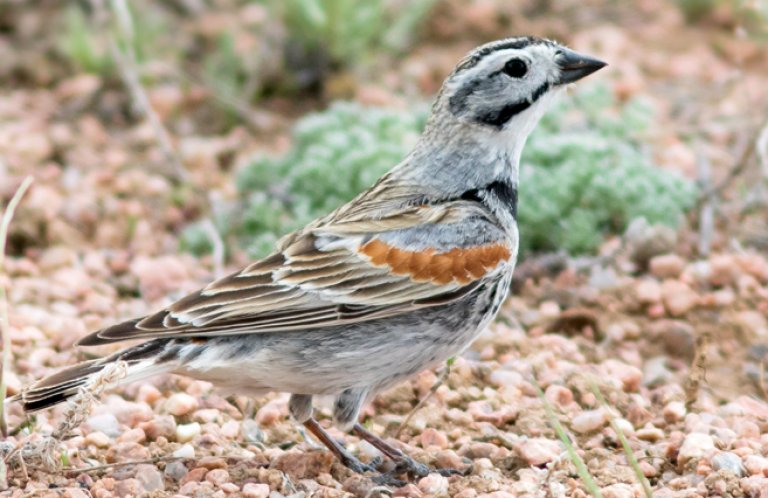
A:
[340, 271]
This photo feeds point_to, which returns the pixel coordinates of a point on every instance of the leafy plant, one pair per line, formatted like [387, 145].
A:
[348, 30]
[81, 44]
[750, 14]
[137, 28]
[585, 173]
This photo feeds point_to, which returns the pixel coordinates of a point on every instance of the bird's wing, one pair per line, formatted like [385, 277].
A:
[348, 268]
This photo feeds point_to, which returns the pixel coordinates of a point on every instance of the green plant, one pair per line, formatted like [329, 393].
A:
[335, 155]
[584, 174]
[750, 14]
[348, 30]
[82, 46]
[137, 28]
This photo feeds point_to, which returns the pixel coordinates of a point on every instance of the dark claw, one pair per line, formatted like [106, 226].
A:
[411, 466]
[451, 472]
[388, 479]
[359, 467]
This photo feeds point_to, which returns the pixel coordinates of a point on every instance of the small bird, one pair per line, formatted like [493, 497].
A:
[397, 280]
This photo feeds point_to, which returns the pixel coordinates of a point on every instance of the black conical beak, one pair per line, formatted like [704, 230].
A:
[574, 66]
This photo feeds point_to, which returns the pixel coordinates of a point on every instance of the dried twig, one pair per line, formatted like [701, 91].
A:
[43, 451]
[432, 390]
[4, 322]
[698, 371]
[707, 213]
[737, 169]
[125, 59]
[218, 252]
[97, 468]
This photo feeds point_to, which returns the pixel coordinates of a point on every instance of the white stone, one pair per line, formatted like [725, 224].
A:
[589, 421]
[253, 490]
[185, 451]
[695, 446]
[179, 404]
[187, 432]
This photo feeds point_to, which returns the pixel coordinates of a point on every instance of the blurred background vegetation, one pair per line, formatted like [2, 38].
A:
[588, 170]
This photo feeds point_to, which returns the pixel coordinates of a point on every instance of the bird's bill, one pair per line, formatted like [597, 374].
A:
[574, 66]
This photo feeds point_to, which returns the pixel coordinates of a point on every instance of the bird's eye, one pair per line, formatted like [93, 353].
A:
[515, 68]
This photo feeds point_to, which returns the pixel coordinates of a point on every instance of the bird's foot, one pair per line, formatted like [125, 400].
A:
[407, 465]
[388, 479]
[359, 467]
[410, 466]
[418, 469]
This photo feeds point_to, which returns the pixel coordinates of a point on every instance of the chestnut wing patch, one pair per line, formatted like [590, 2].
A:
[458, 265]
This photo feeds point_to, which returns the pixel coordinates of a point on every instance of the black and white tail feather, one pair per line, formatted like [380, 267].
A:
[140, 362]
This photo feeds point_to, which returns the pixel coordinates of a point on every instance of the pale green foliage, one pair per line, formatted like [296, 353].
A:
[82, 46]
[584, 174]
[335, 155]
[751, 15]
[348, 30]
[135, 28]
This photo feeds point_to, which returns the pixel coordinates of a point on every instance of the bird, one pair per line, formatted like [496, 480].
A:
[397, 280]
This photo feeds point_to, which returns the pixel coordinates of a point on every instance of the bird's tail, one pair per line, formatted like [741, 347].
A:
[126, 366]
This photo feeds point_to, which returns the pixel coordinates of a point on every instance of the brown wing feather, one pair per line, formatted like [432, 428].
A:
[330, 274]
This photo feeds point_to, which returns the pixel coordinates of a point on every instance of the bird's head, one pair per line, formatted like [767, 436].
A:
[507, 85]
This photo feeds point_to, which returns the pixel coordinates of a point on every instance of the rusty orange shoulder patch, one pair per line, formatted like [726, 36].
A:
[460, 265]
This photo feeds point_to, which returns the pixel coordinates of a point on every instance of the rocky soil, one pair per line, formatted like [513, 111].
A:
[674, 339]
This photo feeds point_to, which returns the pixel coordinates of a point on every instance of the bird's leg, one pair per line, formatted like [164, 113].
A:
[338, 450]
[403, 463]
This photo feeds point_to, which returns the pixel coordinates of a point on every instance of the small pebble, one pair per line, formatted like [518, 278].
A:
[728, 461]
[105, 422]
[756, 465]
[666, 266]
[678, 297]
[196, 475]
[251, 431]
[695, 446]
[618, 490]
[648, 291]
[538, 451]
[650, 433]
[674, 411]
[129, 487]
[230, 429]
[132, 436]
[185, 451]
[433, 438]
[217, 477]
[179, 404]
[150, 478]
[98, 439]
[148, 394]
[187, 432]
[434, 484]
[589, 421]
[253, 490]
[230, 487]
[175, 470]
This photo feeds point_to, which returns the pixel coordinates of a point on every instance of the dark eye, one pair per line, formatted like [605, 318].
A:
[515, 68]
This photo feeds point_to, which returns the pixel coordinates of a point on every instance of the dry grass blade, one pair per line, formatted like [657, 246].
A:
[4, 323]
[624, 443]
[432, 390]
[581, 467]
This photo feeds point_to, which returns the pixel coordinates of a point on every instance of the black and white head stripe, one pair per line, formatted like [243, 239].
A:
[472, 59]
[503, 79]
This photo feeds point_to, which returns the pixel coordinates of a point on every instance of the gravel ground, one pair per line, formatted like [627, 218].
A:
[675, 343]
